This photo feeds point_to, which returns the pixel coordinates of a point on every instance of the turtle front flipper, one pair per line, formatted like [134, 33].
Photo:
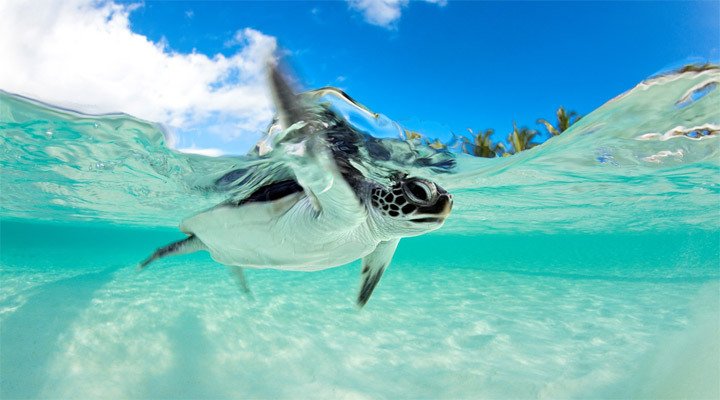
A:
[189, 245]
[307, 152]
[373, 266]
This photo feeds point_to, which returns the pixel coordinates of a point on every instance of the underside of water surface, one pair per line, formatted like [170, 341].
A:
[586, 267]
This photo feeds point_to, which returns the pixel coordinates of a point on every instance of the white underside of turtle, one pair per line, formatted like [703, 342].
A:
[282, 234]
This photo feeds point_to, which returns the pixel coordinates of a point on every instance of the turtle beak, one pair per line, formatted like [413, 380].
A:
[437, 212]
[444, 204]
[449, 205]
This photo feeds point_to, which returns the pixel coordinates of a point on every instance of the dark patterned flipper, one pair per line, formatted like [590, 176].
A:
[373, 266]
[188, 245]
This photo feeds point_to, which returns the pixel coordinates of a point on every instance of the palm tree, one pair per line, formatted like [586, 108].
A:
[437, 144]
[520, 139]
[412, 134]
[564, 121]
[481, 144]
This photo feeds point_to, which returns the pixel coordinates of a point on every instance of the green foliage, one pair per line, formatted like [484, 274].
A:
[698, 67]
[520, 139]
[564, 121]
[437, 144]
[481, 144]
[412, 134]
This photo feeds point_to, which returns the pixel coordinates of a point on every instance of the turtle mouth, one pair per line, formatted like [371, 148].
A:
[442, 206]
[428, 220]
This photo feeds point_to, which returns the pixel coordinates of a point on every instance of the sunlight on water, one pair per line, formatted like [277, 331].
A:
[586, 267]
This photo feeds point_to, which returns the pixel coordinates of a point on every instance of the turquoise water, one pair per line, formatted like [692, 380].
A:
[586, 267]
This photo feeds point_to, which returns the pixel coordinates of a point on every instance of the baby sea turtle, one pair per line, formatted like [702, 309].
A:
[325, 215]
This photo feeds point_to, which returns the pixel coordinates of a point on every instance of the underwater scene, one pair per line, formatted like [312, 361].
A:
[586, 267]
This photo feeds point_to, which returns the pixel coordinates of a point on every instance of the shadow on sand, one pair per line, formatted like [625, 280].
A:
[29, 336]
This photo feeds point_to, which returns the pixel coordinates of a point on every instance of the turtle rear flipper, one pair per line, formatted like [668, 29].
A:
[189, 245]
[238, 275]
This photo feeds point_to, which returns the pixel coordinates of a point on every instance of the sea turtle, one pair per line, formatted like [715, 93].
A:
[326, 214]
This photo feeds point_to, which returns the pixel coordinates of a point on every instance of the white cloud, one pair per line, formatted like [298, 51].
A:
[384, 13]
[204, 152]
[83, 55]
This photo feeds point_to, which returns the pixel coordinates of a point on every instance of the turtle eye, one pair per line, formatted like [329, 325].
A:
[420, 192]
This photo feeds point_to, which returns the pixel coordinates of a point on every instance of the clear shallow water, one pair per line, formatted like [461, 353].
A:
[587, 267]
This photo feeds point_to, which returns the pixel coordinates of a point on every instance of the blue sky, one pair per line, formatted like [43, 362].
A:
[438, 67]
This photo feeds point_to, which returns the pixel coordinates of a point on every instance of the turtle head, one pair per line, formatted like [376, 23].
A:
[410, 207]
